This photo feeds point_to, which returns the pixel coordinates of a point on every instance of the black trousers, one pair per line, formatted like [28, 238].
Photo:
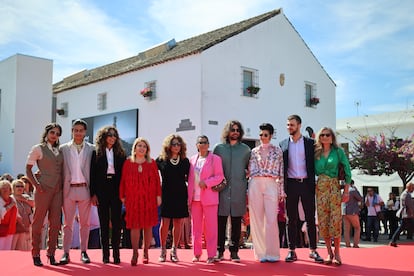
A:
[304, 191]
[406, 224]
[109, 209]
[235, 233]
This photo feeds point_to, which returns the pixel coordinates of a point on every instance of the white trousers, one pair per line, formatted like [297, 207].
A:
[263, 206]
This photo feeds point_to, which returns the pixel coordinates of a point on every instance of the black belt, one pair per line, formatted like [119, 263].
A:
[110, 176]
[301, 180]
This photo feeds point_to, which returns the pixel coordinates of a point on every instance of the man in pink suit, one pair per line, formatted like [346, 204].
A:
[205, 172]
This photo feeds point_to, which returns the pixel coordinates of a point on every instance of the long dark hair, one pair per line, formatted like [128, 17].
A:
[227, 129]
[100, 142]
[48, 127]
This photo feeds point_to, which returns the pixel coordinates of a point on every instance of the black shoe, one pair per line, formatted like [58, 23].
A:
[52, 260]
[367, 239]
[314, 255]
[37, 261]
[393, 244]
[117, 260]
[291, 257]
[234, 257]
[65, 259]
[85, 258]
[105, 260]
[219, 257]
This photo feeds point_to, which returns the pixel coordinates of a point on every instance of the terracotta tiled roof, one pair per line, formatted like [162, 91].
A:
[191, 46]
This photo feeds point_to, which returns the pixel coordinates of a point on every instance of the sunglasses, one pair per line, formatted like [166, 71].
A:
[325, 135]
[57, 133]
[19, 186]
[175, 144]
[203, 143]
[235, 130]
[264, 135]
[111, 134]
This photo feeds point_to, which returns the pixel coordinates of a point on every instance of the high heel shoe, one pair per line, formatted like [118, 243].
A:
[51, 260]
[134, 259]
[337, 260]
[163, 255]
[173, 255]
[329, 259]
[145, 258]
[37, 261]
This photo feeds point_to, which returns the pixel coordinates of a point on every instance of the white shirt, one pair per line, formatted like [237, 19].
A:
[76, 164]
[297, 159]
[197, 169]
[110, 158]
[372, 210]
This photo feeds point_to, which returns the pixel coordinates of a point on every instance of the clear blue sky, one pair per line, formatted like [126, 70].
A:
[367, 47]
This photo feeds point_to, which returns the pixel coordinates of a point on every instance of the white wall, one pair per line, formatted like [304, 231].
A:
[26, 107]
[272, 47]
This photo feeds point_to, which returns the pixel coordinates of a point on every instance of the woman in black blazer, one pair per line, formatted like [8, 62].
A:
[106, 167]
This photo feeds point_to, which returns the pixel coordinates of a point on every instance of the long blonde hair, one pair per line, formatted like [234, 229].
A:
[147, 154]
[318, 144]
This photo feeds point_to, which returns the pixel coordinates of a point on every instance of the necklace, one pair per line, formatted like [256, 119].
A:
[140, 165]
[175, 161]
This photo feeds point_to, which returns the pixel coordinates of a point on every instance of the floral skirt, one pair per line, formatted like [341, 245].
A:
[328, 206]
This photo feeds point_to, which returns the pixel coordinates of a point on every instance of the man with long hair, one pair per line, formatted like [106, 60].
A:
[232, 202]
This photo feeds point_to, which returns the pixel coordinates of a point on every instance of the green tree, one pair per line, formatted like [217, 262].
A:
[374, 155]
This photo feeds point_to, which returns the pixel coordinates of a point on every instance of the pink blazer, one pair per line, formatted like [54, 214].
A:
[211, 173]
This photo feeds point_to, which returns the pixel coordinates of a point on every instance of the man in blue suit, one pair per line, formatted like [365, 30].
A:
[299, 180]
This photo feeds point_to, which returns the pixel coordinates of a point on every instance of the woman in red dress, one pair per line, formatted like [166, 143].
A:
[140, 191]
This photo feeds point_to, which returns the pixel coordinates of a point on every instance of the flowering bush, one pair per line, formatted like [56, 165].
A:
[253, 89]
[314, 101]
[146, 92]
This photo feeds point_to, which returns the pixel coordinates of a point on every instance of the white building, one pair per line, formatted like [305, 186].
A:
[200, 83]
[25, 108]
[393, 124]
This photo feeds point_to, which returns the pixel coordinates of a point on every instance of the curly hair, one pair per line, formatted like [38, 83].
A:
[227, 129]
[147, 154]
[100, 142]
[49, 127]
[166, 147]
[318, 144]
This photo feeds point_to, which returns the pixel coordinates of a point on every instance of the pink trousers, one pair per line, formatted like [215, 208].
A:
[204, 218]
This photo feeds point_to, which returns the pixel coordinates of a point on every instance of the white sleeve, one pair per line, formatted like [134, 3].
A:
[34, 155]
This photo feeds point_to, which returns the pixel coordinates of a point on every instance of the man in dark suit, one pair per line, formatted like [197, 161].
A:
[299, 178]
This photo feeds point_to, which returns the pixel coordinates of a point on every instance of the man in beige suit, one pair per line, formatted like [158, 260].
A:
[77, 155]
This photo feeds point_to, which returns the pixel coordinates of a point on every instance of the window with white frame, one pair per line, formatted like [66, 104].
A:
[102, 101]
[311, 99]
[250, 85]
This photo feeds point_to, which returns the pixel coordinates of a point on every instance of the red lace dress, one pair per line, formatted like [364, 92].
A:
[140, 185]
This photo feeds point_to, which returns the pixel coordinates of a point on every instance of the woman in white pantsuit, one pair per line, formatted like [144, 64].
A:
[265, 191]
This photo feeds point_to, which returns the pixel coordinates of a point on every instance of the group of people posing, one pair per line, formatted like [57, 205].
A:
[78, 174]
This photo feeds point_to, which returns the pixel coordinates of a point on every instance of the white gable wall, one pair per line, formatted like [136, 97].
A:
[26, 107]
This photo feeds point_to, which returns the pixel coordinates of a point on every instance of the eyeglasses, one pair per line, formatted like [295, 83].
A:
[325, 135]
[235, 130]
[203, 142]
[111, 134]
[264, 135]
[19, 186]
[175, 144]
[57, 133]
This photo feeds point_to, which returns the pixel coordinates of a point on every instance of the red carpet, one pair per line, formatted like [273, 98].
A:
[383, 260]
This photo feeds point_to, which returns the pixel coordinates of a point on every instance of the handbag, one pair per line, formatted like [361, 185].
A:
[220, 187]
[341, 172]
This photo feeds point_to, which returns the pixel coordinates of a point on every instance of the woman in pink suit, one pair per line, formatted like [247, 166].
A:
[205, 172]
